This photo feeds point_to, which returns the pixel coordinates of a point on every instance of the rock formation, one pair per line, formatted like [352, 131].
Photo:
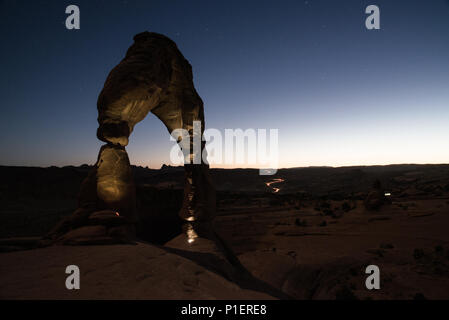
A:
[376, 197]
[153, 77]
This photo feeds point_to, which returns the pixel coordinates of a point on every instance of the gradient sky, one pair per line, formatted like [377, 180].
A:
[338, 93]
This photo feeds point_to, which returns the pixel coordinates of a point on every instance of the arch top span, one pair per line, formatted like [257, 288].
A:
[154, 76]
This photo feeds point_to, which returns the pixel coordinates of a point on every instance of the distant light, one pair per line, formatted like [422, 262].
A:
[117, 214]
[190, 240]
[387, 194]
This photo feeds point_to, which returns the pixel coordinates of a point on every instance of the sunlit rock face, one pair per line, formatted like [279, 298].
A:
[110, 184]
[154, 76]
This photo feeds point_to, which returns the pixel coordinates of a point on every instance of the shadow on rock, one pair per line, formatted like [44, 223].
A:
[229, 268]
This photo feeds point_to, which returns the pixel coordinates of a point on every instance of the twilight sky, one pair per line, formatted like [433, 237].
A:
[338, 93]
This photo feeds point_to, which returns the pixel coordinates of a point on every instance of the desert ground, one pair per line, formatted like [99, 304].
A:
[303, 233]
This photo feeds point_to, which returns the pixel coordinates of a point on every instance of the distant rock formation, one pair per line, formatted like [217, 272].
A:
[154, 76]
[376, 197]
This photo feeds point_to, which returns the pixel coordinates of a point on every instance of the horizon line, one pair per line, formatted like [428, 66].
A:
[240, 168]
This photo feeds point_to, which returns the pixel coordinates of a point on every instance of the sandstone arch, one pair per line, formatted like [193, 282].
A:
[153, 77]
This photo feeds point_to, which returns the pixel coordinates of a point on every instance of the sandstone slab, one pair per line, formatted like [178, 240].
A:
[139, 271]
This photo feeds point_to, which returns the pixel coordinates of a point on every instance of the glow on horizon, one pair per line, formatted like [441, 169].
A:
[332, 156]
[415, 139]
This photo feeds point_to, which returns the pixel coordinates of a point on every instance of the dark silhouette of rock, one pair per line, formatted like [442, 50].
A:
[106, 217]
[86, 235]
[376, 198]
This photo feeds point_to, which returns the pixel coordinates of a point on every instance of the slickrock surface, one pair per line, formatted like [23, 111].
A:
[139, 271]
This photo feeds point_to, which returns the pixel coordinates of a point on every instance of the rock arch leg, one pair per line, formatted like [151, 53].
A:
[106, 211]
[199, 203]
